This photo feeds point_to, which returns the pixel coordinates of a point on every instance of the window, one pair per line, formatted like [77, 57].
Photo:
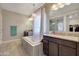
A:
[37, 25]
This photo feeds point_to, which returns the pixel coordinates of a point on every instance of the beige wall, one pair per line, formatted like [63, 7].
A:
[11, 18]
[0, 26]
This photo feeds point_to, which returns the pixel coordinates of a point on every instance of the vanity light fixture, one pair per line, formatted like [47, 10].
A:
[54, 7]
[61, 5]
[57, 6]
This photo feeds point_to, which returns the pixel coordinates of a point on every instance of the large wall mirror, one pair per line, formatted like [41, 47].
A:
[64, 19]
[56, 24]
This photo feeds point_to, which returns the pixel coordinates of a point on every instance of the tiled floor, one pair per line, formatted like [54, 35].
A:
[12, 48]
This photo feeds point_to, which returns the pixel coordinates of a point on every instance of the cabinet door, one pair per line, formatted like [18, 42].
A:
[45, 47]
[66, 51]
[77, 49]
[53, 49]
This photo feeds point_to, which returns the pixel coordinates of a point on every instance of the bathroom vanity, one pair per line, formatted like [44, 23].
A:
[58, 45]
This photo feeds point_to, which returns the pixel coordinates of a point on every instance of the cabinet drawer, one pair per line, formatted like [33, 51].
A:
[69, 43]
[55, 40]
[47, 37]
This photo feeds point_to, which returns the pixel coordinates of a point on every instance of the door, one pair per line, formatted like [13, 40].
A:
[66, 51]
[53, 49]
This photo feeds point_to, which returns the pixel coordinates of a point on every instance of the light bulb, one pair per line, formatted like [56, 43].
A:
[60, 5]
[54, 7]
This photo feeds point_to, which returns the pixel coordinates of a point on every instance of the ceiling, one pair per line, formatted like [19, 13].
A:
[28, 8]
[22, 8]
[66, 9]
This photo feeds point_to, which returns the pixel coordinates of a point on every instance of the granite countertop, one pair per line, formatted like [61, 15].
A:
[71, 38]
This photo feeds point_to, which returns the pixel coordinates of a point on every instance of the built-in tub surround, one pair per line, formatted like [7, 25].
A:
[31, 41]
[32, 47]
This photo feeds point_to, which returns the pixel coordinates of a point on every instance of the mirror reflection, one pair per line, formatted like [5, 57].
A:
[65, 19]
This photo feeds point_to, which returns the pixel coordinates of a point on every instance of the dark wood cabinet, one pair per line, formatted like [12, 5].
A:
[77, 49]
[53, 49]
[60, 47]
[66, 51]
[45, 47]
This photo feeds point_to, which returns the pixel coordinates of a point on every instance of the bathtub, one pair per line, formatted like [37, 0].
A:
[32, 47]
